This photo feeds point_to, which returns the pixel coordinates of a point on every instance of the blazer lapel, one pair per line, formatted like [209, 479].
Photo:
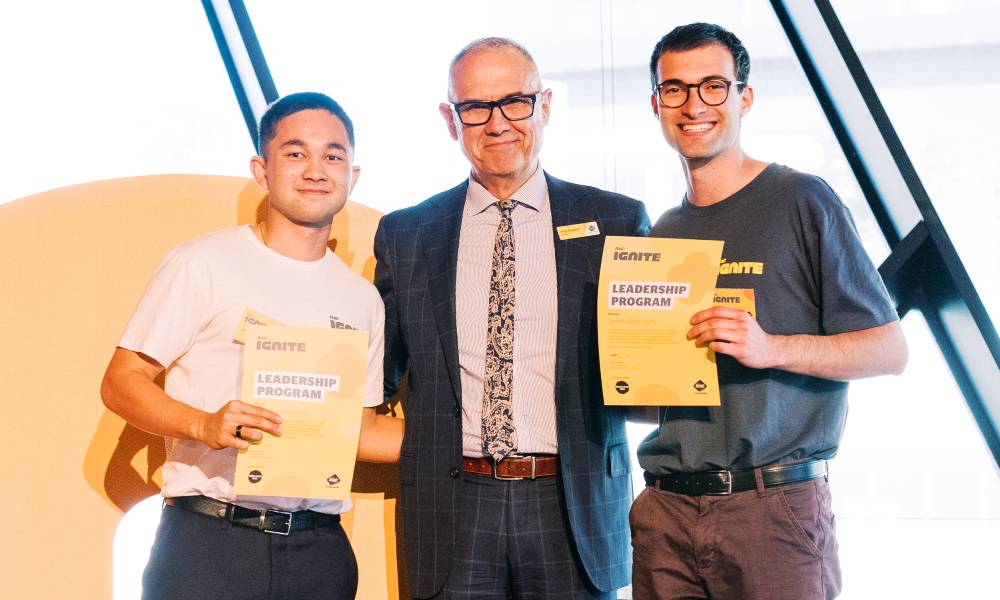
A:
[441, 227]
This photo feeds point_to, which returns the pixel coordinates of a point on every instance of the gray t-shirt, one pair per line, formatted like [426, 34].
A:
[789, 237]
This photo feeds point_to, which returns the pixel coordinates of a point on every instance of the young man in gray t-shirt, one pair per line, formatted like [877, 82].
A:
[737, 503]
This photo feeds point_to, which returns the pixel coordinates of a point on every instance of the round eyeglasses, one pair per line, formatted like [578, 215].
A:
[479, 112]
[713, 92]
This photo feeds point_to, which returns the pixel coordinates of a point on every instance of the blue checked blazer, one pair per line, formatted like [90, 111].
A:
[417, 250]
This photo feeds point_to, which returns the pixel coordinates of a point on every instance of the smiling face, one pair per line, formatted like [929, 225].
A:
[503, 153]
[308, 172]
[701, 133]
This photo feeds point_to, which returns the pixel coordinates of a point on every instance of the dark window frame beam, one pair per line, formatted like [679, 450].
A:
[244, 59]
[924, 270]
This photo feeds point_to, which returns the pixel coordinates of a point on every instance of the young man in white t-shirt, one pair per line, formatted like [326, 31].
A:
[211, 544]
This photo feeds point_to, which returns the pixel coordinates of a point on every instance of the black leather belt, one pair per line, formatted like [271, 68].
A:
[269, 521]
[723, 483]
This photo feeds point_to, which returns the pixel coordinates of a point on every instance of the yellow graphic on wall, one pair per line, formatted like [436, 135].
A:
[315, 379]
[648, 291]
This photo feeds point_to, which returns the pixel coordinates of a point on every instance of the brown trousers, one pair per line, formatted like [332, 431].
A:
[774, 544]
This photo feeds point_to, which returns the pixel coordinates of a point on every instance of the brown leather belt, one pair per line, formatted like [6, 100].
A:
[514, 467]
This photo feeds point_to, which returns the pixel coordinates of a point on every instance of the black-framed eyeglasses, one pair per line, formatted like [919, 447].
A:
[713, 92]
[479, 112]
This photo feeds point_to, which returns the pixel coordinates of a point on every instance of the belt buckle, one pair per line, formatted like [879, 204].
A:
[263, 519]
[502, 478]
[727, 482]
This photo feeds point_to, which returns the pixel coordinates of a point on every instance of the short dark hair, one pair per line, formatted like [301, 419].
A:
[699, 35]
[293, 103]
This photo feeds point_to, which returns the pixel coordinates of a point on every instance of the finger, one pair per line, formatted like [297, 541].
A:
[251, 435]
[234, 436]
[700, 328]
[229, 440]
[249, 421]
[723, 312]
[717, 323]
[702, 315]
[704, 339]
[720, 334]
[716, 312]
[718, 329]
[258, 411]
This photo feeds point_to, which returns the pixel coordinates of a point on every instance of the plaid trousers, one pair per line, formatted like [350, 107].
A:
[513, 542]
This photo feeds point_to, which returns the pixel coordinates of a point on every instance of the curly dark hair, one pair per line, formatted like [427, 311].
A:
[699, 35]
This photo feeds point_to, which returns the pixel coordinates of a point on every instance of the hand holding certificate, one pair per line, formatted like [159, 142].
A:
[649, 289]
[315, 379]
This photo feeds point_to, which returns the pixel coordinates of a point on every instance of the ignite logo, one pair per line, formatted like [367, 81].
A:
[622, 254]
[279, 346]
[336, 323]
[255, 476]
[333, 479]
[621, 387]
[700, 385]
[741, 268]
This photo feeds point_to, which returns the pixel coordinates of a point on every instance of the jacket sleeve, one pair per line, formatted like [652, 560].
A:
[396, 355]
[641, 226]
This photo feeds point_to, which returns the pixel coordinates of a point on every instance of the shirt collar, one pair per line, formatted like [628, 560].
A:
[532, 193]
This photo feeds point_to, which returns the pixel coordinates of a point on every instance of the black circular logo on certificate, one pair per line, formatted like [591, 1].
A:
[621, 387]
[700, 385]
[255, 476]
[333, 479]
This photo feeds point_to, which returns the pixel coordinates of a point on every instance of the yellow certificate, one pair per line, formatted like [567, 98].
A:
[739, 298]
[315, 379]
[649, 289]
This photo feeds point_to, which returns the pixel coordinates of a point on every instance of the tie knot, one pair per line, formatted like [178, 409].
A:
[506, 206]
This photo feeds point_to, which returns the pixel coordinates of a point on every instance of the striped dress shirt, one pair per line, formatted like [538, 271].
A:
[535, 314]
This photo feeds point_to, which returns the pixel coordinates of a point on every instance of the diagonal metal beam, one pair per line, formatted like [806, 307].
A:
[241, 53]
[924, 270]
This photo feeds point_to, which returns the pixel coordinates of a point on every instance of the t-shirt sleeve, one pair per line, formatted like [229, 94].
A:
[376, 348]
[853, 296]
[168, 317]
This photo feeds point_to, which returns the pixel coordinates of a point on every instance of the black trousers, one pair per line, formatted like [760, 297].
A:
[195, 556]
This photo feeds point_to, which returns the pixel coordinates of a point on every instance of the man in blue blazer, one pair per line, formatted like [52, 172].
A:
[515, 476]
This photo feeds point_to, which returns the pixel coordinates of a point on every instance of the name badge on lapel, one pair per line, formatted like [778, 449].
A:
[578, 230]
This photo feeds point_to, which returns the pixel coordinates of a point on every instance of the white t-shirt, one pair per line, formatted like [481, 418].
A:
[188, 315]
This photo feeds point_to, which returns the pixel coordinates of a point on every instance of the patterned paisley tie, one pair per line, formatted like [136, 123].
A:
[499, 437]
